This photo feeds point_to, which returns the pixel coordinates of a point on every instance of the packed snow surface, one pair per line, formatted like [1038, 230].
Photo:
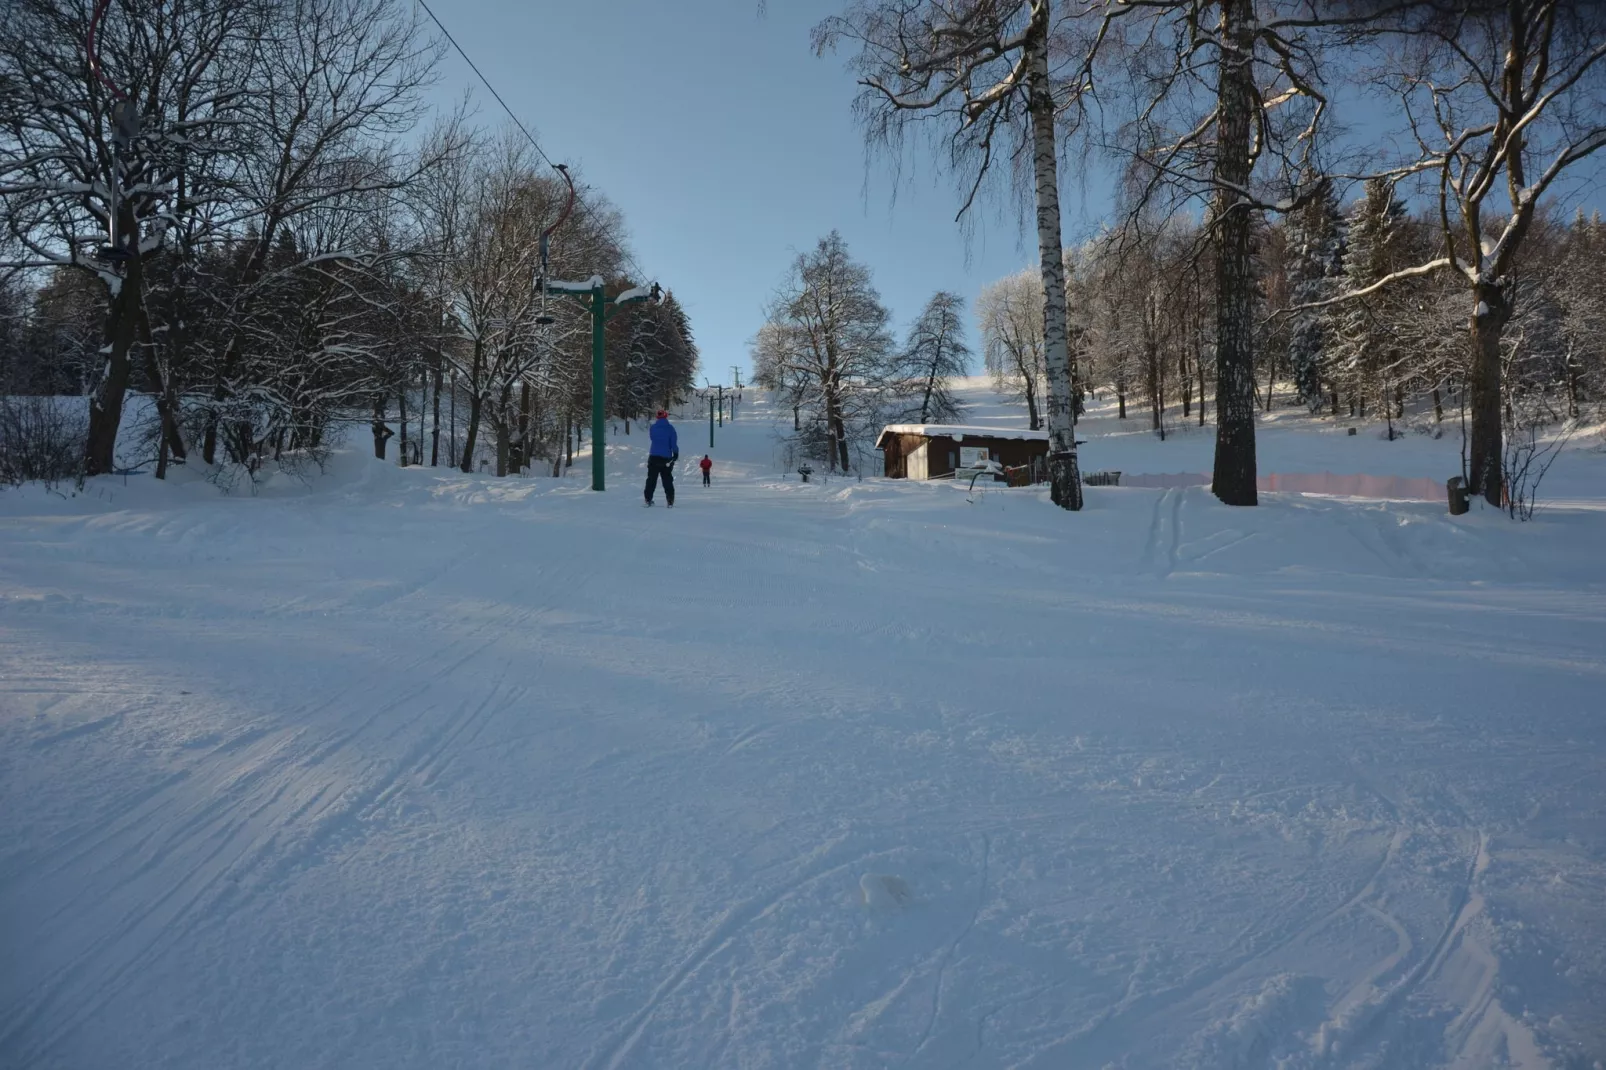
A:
[410, 768]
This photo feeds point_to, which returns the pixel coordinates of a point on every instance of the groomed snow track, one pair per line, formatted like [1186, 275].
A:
[419, 770]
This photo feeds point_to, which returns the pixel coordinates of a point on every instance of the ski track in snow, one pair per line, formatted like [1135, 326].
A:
[424, 769]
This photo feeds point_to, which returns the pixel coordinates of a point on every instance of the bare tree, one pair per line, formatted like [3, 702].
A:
[935, 353]
[826, 337]
[438, 205]
[1132, 287]
[334, 82]
[1503, 99]
[1009, 316]
[493, 302]
[1220, 101]
[982, 69]
[1580, 291]
[198, 136]
[101, 153]
[773, 371]
[485, 216]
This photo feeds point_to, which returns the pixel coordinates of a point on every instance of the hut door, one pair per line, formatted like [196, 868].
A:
[917, 462]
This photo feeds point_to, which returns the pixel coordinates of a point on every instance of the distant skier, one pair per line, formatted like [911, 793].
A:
[707, 466]
[661, 458]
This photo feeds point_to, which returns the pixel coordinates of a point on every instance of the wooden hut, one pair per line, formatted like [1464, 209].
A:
[934, 451]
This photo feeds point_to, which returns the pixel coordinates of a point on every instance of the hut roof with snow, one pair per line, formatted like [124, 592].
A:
[931, 451]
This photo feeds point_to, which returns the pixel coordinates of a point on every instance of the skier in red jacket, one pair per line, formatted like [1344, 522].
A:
[706, 465]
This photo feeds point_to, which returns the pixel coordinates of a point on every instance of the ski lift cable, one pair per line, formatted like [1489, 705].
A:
[585, 209]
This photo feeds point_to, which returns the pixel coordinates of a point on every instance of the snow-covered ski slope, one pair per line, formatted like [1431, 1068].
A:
[417, 769]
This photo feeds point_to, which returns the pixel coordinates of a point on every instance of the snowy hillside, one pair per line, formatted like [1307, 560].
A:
[410, 768]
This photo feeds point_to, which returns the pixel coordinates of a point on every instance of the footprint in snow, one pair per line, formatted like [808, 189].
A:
[883, 892]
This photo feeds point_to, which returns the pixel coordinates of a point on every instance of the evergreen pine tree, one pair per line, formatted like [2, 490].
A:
[1316, 255]
[1359, 338]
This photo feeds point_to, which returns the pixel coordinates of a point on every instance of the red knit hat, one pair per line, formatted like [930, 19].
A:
[662, 415]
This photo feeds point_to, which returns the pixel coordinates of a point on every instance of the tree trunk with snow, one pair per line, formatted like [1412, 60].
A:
[1573, 369]
[381, 432]
[502, 424]
[122, 329]
[835, 424]
[526, 436]
[164, 390]
[435, 431]
[472, 435]
[476, 405]
[1485, 440]
[1233, 480]
[401, 419]
[1185, 382]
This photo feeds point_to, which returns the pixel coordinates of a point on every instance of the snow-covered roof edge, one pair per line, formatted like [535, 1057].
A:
[960, 431]
[572, 287]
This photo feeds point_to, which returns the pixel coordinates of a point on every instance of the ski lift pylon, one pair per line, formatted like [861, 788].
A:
[125, 128]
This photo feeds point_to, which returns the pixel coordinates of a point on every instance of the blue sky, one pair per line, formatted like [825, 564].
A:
[729, 147]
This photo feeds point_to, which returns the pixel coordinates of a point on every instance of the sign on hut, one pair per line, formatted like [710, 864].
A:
[941, 451]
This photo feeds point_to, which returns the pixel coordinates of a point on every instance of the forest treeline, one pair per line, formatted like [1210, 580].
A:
[293, 243]
[1141, 310]
[1254, 117]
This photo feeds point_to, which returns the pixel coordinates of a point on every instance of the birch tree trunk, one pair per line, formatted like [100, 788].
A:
[1065, 479]
[1233, 480]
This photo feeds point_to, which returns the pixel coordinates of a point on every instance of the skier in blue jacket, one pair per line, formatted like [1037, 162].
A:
[661, 457]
